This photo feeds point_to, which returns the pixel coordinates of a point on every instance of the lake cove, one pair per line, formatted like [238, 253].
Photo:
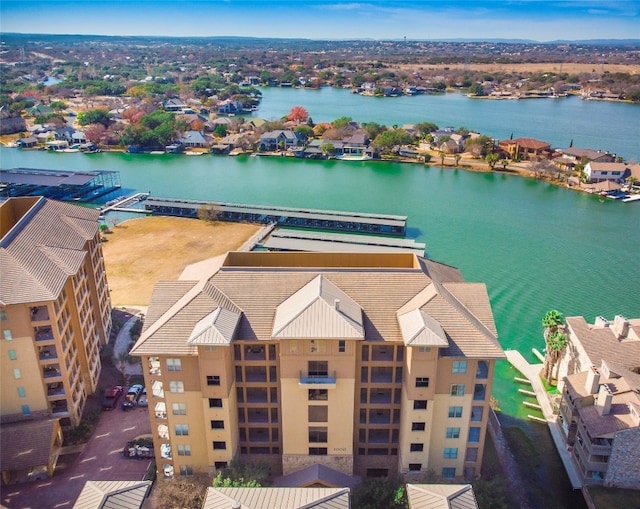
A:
[536, 246]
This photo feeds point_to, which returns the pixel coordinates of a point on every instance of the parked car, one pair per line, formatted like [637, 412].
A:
[111, 397]
[131, 398]
[142, 400]
[140, 448]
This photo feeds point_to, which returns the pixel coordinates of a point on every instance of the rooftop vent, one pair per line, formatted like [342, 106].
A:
[620, 326]
[601, 321]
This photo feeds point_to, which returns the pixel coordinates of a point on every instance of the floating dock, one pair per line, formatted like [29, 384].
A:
[296, 240]
[347, 222]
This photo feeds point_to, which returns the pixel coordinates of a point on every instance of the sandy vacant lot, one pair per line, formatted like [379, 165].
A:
[141, 251]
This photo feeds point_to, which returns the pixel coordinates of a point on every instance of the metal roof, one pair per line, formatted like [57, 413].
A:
[51, 178]
[441, 496]
[113, 495]
[277, 498]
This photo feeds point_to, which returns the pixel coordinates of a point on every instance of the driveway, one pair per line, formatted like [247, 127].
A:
[100, 460]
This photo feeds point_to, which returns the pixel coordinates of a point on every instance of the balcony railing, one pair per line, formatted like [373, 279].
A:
[43, 333]
[51, 372]
[318, 377]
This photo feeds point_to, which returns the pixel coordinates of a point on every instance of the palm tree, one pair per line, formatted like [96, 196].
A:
[457, 158]
[442, 156]
[555, 340]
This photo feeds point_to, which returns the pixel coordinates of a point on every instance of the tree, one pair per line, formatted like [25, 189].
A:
[555, 340]
[305, 131]
[209, 212]
[328, 149]
[378, 493]
[220, 131]
[181, 492]
[242, 474]
[391, 138]
[94, 132]
[97, 116]
[373, 129]
[298, 114]
[492, 159]
[425, 128]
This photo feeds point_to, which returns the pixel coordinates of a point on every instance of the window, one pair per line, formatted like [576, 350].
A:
[453, 432]
[317, 451]
[182, 429]
[213, 380]
[179, 408]
[174, 365]
[21, 392]
[424, 349]
[186, 470]
[459, 368]
[219, 445]
[7, 335]
[420, 404]
[416, 447]
[318, 368]
[479, 391]
[417, 426]
[17, 374]
[3, 315]
[472, 454]
[422, 381]
[476, 413]
[448, 473]
[474, 435]
[317, 435]
[318, 394]
[176, 386]
[217, 424]
[318, 346]
[482, 371]
[318, 414]
[415, 467]
[220, 464]
[184, 450]
[293, 346]
[457, 389]
[215, 403]
[342, 346]
[12, 355]
[26, 410]
[450, 453]
[455, 412]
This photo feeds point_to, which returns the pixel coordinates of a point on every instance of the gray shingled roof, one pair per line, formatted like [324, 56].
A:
[43, 249]
[26, 444]
[462, 310]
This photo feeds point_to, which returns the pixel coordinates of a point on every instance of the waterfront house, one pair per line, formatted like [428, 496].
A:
[29, 142]
[600, 406]
[195, 139]
[369, 364]
[230, 107]
[280, 140]
[64, 133]
[525, 149]
[599, 172]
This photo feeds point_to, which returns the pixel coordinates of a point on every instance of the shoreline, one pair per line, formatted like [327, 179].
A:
[465, 164]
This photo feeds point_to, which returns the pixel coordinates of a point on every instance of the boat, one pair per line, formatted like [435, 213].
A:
[355, 157]
[629, 199]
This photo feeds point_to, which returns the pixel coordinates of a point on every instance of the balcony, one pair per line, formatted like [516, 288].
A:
[382, 353]
[55, 389]
[255, 374]
[59, 408]
[39, 313]
[47, 353]
[51, 371]
[322, 378]
[44, 333]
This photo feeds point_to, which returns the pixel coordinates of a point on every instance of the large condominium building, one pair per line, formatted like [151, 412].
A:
[600, 406]
[368, 364]
[55, 310]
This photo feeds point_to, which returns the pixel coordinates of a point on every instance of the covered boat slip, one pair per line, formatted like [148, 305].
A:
[353, 222]
[295, 240]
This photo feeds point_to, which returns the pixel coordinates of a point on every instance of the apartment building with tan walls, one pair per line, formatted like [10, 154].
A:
[55, 309]
[368, 364]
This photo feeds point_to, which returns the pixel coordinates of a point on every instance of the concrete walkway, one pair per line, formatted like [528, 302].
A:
[532, 373]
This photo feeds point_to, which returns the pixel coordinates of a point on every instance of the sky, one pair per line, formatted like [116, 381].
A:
[539, 20]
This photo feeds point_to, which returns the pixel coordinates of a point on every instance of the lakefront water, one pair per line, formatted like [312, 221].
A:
[535, 246]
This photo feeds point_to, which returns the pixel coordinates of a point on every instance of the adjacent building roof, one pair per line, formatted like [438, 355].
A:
[315, 475]
[441, 496]
[293, 295]
[42, 248]
[26, 444]
[113, 495]
[277, 498]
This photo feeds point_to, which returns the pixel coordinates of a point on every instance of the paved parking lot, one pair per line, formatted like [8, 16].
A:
[100, 460]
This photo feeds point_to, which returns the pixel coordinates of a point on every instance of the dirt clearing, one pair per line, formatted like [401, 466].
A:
[139, 252]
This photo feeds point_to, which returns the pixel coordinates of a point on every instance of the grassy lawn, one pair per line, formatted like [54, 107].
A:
[140, 252]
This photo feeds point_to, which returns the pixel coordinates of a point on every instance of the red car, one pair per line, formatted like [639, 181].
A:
[111, 397]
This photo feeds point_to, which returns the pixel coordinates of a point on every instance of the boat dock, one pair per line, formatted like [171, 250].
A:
[532, 374]
[296, 240]
[347, 222]
[125, 204]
